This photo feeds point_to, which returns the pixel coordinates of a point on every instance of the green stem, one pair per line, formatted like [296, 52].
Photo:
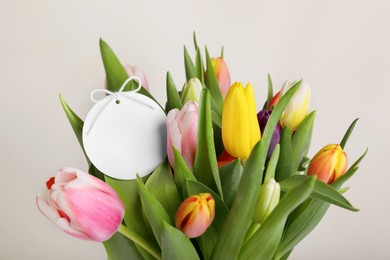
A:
[139, 241]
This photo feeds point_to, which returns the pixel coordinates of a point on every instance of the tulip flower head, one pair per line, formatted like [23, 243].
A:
[267, 201]
[263, 117]
[182, 131]
[191, 90]
[329, 164]
[298, 107]
[82, 205]
[195, 214]
[222, 73]
[136, 71]
[240, 128]
[274, 101]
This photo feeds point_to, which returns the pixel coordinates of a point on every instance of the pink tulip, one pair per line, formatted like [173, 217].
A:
[136, 71]
[222, 73]
[82, 205]
[182, 130]
[195, 214]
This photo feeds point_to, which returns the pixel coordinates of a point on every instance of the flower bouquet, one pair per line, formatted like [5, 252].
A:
[205, 177]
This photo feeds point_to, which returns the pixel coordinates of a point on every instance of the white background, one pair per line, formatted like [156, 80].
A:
[342, 48]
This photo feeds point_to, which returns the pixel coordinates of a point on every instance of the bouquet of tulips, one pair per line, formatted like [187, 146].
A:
[236, 183]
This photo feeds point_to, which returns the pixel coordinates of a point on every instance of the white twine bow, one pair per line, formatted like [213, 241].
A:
[117, 96]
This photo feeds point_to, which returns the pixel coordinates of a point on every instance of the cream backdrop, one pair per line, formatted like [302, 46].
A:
[342, 48]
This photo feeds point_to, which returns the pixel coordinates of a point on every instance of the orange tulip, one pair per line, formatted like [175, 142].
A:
[329, 164]
[195, 214]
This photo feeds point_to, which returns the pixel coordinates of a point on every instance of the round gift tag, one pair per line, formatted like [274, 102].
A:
[124, 134]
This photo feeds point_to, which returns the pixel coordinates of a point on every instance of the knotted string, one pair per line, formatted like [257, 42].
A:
[116, 96]
[119, 93]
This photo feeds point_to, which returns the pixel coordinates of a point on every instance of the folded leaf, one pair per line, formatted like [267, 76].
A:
[118, 247]
[322, 191]
[230, 179]
[173, 97]
[205, 165]
[270, 89]
[154, 211]
[199, 66]
[348, 133]
[162, 186]
[175, 245]
[283, 169]
[301, 141]
[213, 86]
[189, 65]
[182, 173]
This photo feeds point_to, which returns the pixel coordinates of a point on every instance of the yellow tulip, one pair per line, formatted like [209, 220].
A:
[240, 128]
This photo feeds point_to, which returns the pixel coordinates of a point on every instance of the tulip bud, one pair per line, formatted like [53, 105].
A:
[195, 214]
[329, 164]
[263, 117]
[222, 73]
[267, 201]
[191, 90]
[240, 128]
[298, 107]
[82, 205]
[182, 132]
[274, 101]
[136, 71]
[225, 158]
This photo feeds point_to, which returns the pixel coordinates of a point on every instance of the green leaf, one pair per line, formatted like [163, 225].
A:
[283, 170]
[199, 66]
[322, 191]
[301, 141]
[154, 211]
[270, 89]
[230, 179]
[213, 86]
[263, 244]
[306, 219]
[118, 247]
[182, 173]
[240, 215]
[173, 97]
[115, 72]
[189, 66]
[217, 120]
[175, 245]
[162, 186]
[205, 165]
[195, 41]
[74, 120]
[348, 133]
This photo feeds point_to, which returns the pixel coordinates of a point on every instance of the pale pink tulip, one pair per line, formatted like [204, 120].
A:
[222, 73]
[82, 205]
[136, 71]
[182, 130]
